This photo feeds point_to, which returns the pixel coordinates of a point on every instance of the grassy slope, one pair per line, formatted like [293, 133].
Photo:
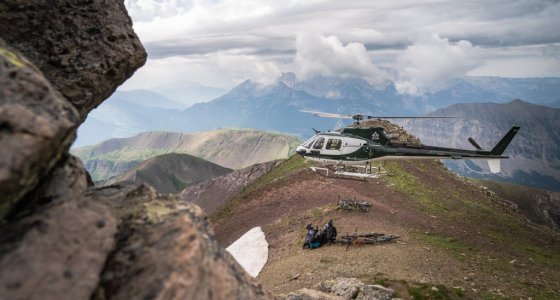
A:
[294, 164]
[528, 200]
[455, 234]
[244, 148]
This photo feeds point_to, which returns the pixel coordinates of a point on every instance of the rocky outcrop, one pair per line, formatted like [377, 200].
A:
[54, 238]
[212, 193]
[61, 238]
[309, 294]
[84, 48]
[342, 289]
[347, 288]
[54, 244]
[37, 125]
[67, 182]
[57, 252]
[167, 251]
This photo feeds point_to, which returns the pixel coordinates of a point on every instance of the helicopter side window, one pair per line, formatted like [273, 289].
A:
[333, 144]
[319, 143]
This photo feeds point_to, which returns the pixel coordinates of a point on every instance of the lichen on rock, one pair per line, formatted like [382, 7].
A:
[37, 125]
[60, 238]
[57, 252]
[170, 255]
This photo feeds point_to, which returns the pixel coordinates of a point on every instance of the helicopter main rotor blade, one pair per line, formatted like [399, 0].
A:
[392, 117]
[327, 115]
[359, 117]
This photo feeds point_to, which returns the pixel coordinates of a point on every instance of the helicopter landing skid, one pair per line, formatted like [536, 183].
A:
[353, 172]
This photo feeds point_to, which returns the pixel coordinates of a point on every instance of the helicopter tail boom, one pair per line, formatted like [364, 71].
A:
[504, 142]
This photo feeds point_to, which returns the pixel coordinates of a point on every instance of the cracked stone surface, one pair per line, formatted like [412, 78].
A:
[36, 126]
[85, 48]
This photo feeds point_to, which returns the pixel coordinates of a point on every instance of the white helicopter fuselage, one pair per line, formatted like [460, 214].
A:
[329, 148]
[359, 146]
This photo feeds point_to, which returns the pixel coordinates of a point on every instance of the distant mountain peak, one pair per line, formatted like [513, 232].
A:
[245, 88]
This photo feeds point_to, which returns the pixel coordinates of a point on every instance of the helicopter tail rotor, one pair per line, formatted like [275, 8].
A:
[474, 143]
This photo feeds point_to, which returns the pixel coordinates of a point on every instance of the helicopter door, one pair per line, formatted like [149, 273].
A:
[333, 146]
[317, 146]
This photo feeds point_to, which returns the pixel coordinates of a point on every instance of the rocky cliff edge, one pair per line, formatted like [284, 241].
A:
[60, 238]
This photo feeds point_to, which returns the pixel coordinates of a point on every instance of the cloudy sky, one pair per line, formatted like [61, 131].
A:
[419, 45]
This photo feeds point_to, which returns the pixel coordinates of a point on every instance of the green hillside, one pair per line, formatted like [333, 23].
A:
[229, 148]
[539, 206]
[170, 173]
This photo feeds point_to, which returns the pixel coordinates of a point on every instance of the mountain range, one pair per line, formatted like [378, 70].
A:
[483, 103]
[188, 92]
[534, 152]
[277, 106]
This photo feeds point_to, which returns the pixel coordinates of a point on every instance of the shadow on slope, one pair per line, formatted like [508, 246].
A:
[170, 173]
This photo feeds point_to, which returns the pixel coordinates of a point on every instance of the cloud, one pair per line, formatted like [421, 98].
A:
[226, 24]
[431, 63]
[552, 52]
[222, 69]
[217, 34]
[328, 56]
[147, 10]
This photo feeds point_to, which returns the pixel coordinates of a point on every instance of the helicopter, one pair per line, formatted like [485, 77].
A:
[358, 145]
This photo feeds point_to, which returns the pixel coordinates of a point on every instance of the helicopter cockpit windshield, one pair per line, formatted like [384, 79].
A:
[309, 142]
[319, 143]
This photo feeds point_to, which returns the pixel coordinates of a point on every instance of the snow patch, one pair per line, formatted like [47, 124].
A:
[250, 251]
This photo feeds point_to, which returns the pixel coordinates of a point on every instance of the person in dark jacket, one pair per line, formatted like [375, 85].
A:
[310, 241]
[330, 232]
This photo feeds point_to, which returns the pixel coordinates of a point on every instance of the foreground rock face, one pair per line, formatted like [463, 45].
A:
[84, 48]
[56, 253]
[161, 250]
[60, 238]
[37, 125]
[167, 251]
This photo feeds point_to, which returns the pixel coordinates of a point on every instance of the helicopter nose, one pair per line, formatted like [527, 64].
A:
[301, 150]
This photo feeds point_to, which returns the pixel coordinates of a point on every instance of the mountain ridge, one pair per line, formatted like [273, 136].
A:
[534, 152]
[265, 105]
[169, 173]
[226, 147]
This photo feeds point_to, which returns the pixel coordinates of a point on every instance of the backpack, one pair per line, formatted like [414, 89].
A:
[330, 235]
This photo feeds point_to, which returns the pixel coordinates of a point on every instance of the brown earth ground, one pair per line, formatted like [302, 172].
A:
[453, 234]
